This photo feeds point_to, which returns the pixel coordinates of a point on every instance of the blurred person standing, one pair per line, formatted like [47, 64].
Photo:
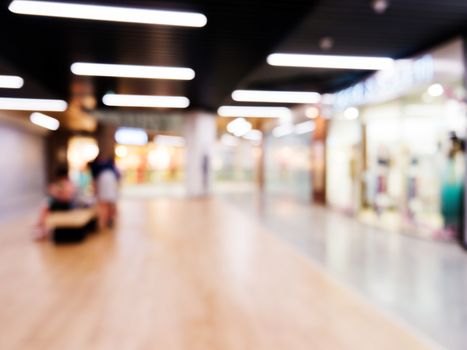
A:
[106, 184]
[452, 191]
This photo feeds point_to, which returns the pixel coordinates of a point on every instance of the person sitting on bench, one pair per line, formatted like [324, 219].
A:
[62, 194]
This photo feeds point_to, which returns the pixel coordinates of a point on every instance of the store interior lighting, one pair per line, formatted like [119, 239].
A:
[11, 82]
[436, 90]
[239, 127]
[312, 112]
[131, 136]
[275, 96]
[108, 13]
[351, 113]
[32, 104]
[256, 111]
[121, 151]
[44, 121]
[132, 71]
[329, 61]
[117, 100]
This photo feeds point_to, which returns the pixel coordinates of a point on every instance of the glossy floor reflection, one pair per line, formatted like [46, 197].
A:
[419, 281]
[180, 274]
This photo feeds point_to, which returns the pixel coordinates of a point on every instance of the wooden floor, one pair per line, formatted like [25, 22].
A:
[179, 274]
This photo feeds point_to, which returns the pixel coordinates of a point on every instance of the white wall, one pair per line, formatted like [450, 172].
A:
[22, 167]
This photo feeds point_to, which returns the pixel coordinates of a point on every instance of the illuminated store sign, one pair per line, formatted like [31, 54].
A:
[388, 84]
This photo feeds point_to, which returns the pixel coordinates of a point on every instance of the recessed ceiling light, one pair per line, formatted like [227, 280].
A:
[108, 13]
[11, 82]
[259, 112]
[351, 113]
[380, 6]
[275, 96]
[44, 121]
[326, 43]
[145, 101]
[328, 61]
[239, 127]
[435, 90]
[132, 71]
[32, 104]
[312, 112]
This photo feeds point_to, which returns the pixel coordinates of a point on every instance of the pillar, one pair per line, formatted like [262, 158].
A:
[200, 136]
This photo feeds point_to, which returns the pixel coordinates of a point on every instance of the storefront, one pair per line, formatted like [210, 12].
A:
[342, 161]
[288, 155]
[408, 146]
[153, 163]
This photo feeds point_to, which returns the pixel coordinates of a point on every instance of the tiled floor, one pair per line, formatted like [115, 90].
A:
[419, 281]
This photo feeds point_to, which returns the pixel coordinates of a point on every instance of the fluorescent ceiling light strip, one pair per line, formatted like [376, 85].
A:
[11, 82]
[145, 101]
[108, 13]
[275, 96]
[259, 112]
[44, 121]
[132, 71]
[327, 61]
[32, 104]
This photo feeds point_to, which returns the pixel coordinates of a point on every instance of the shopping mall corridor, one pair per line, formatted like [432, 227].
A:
[180, 274]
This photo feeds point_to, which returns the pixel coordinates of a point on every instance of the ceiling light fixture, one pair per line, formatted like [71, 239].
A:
[275, 96]
[351, 113]
[11, 82]
[328, 61]
[32, 104]
[380, 6]
[259, 112]
[436, 90]
[132, 71]
[107, 13]
[44, 121]
[312, 112]
[326, 43]
[145, 101]
[239, 127]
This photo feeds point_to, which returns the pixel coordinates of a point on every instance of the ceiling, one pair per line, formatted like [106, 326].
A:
[229, 52]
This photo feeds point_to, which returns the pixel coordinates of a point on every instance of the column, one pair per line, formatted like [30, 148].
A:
[200, 136]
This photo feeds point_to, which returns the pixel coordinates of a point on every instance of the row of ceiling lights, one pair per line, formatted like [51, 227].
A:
[173, 18]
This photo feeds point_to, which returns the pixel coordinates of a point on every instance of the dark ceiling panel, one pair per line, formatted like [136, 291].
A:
[236, 39]
[407, 27]
[231, 50]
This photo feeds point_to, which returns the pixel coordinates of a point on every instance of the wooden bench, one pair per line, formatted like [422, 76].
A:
[72, 225]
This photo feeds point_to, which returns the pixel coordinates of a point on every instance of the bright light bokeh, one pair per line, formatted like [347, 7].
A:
[108, 13]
